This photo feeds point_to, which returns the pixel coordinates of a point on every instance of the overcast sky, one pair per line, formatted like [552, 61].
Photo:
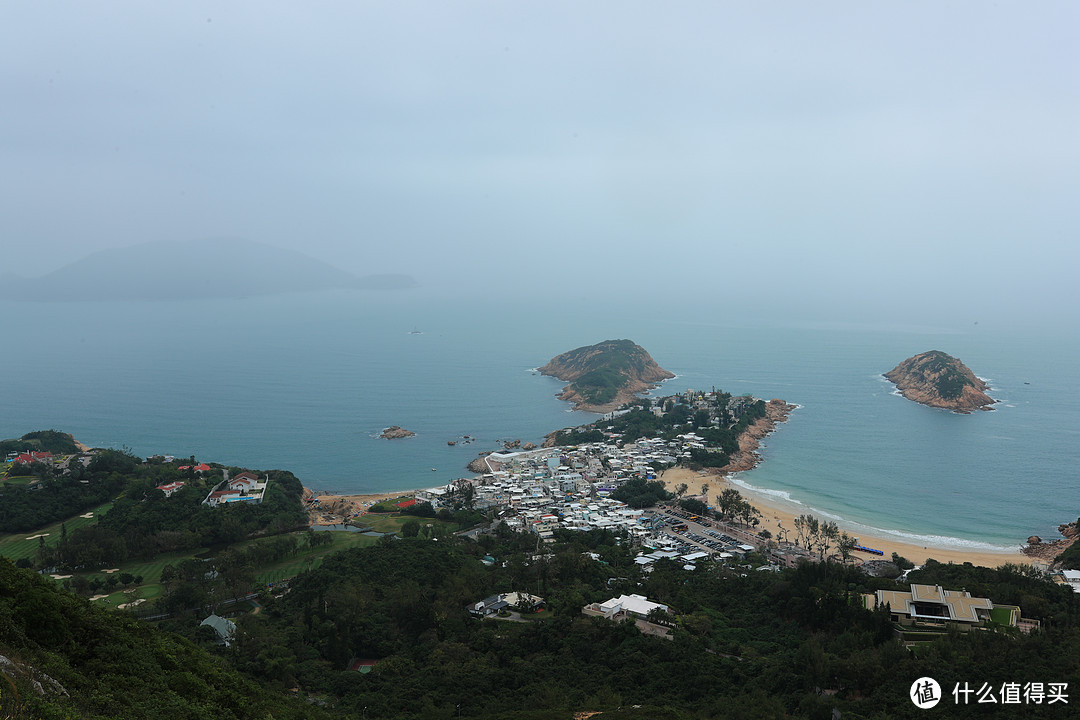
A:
[843, 151]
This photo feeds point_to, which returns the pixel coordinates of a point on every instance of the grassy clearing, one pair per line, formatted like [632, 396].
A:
[383, 523]
[20, 480]
[311, 558]
[15, 546]
[1001, 615]
[391, 523]
[151, 588]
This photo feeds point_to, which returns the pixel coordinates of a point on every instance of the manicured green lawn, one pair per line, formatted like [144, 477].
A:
[311, 558]
[391, 523]
[16, 545]
[16, 480]
[150, 589]
[383, 523]
[1001, 615]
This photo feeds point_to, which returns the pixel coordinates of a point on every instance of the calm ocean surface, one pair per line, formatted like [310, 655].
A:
[306, 383]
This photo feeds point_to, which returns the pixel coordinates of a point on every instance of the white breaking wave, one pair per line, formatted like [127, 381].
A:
[942, 542]
[782, 494]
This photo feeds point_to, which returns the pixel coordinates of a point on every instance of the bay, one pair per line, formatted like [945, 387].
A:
[306, 383]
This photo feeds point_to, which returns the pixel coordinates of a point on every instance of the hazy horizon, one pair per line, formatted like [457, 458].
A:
[832, 161]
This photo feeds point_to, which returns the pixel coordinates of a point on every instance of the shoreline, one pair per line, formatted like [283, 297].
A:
[775, 517]
[337, 508]
[748, 457]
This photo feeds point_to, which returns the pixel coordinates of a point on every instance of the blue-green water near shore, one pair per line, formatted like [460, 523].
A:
[306, 382]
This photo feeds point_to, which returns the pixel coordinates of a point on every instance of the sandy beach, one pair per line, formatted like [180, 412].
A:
[334, 509]
[773, 517]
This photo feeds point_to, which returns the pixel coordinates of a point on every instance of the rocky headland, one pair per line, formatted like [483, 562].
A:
[393, 432]
[939, 380]
[606, 375]
[1048, 552]
[747, 456]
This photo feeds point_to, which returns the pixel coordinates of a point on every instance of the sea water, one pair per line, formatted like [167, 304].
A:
[307, 382]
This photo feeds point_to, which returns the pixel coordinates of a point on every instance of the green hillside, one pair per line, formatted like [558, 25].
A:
[95, 663]
[54, 441]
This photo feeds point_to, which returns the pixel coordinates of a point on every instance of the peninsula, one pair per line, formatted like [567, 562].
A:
[606, 375]
[939, 380]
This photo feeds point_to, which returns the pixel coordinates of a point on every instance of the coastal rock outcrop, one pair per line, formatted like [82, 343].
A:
[1048, 552]
[747, 457]
[394, 432]
[479, 465]
[939, 380]
[606, 375]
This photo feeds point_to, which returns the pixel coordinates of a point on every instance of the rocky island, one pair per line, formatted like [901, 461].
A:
[393, 432]
[939, 380]
[606, 375]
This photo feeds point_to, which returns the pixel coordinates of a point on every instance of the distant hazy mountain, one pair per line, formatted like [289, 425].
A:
[181, 270]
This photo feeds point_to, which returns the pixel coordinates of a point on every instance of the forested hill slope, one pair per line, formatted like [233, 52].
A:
[54, 441]
[605, 375]
[64, 657]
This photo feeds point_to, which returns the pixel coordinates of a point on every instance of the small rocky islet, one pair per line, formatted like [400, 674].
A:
[606, 375]
[939, 380]
[394, 432]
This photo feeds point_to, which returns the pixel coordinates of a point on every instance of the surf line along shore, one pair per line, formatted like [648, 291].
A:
[335, 508]
[775, 517]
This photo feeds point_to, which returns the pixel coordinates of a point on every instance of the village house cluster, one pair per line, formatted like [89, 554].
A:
[542, 490]
[19, 462]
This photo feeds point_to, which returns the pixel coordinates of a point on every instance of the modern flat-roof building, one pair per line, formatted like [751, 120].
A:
[623, 605]
[504, 601]
[933, 605]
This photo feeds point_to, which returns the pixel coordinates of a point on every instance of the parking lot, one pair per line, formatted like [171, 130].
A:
[693, 535]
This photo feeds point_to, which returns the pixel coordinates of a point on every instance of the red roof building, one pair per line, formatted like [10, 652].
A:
[170, 488]
[27, 458]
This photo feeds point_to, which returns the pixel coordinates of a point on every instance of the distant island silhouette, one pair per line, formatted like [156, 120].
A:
[202, 269]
